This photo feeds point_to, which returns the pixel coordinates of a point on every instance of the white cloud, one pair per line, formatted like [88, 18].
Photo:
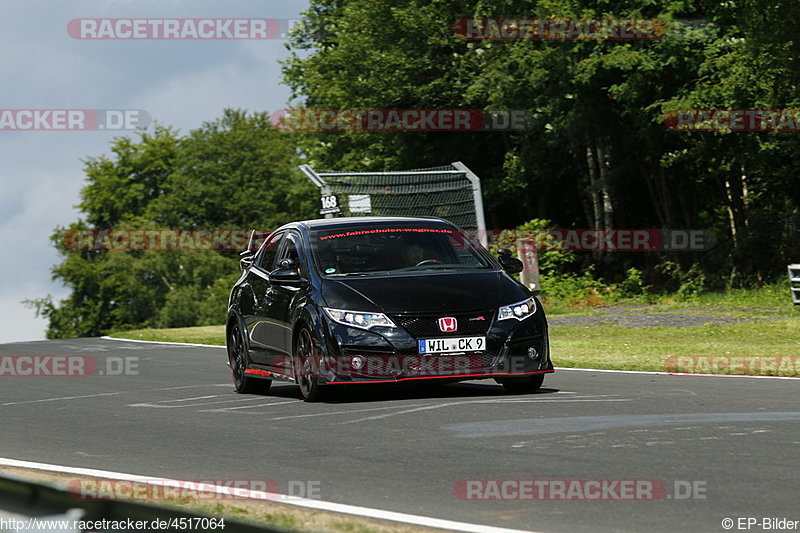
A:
[28, 256]
[19, 322]
[180, 83]
[180, 100]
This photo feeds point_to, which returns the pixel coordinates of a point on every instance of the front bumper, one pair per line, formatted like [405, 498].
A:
[385, 355]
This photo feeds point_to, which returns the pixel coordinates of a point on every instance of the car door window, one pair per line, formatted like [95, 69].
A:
[265, 258]
[290, 251]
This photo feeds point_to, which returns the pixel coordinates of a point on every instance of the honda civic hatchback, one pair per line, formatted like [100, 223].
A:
[346, 301]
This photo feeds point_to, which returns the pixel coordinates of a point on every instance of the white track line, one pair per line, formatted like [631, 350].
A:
[194, 398]
[672, 373]
[557, 368]
[160, 405]
[729, 376]
[110, 394]
[62, 398]
[107, 338]
[484, 402]
[367, 512]
[228, 409]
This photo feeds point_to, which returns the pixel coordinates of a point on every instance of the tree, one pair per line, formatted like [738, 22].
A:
[233, 173]
[599, 154]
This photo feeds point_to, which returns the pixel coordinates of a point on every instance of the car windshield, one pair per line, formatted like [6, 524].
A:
[365, 249]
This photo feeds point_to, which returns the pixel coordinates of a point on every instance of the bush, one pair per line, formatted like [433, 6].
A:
[552, 257]
[214, 308]
[633, 285]
[575, 290]
[687, 284]
[180, 308]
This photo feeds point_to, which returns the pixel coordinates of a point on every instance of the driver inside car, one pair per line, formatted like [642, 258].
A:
[412, 255]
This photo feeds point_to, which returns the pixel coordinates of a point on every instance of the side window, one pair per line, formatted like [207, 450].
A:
[265, 258]
[290, 251]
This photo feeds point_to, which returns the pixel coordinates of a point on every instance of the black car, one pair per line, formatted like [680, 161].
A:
[381, 300]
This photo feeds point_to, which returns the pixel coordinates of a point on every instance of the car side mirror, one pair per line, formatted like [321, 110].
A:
[246, 262]
[510, 264]
[287, 273]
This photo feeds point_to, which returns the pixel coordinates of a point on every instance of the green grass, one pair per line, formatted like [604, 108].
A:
[775, 295]
[769, 299]
[620, 348]
[293, 519]
[264, 513]
[198, 335]
[615, 347]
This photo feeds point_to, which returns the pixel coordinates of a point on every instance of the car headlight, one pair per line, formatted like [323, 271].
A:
[520, 310]
[359, 319]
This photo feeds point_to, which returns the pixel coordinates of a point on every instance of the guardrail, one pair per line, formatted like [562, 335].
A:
[27, 506]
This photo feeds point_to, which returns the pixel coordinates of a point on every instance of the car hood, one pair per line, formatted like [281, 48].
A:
[423, 293]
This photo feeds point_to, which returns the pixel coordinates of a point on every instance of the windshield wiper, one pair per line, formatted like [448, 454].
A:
[361, 273]
[432, 266]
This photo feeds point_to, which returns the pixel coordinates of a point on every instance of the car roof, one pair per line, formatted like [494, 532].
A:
[340, 221]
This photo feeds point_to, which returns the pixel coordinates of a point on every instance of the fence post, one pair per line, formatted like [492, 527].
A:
[794, 282]
[527, 253]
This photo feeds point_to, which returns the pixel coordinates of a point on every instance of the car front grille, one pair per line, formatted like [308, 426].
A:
[367, 350]
[485, 359]
[458, 364]
[424, 326]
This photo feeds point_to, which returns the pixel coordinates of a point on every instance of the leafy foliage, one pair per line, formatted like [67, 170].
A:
[234, 173]
[599, 154]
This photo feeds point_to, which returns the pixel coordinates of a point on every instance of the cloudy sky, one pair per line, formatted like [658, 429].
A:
[178, 82]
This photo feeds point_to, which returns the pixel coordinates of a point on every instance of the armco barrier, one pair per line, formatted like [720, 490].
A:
[22, 499]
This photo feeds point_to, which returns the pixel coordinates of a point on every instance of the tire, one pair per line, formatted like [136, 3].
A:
[525, 385]
[305, 367]
[237, 360]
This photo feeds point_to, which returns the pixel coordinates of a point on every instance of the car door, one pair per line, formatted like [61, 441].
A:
[279, 314]
[258, 300]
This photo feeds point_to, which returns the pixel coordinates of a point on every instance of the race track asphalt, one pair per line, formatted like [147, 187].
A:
[735, 440]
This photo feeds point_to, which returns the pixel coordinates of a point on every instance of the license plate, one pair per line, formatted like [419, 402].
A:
[452, 345]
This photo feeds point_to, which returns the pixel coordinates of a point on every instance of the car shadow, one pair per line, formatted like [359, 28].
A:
[366, 393]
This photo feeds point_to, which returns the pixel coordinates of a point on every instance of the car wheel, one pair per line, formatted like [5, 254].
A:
[237, 360]
[525, 385]
[305, 367]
